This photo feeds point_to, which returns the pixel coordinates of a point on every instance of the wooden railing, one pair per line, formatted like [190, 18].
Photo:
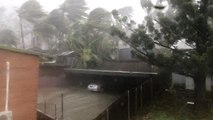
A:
[43, 116]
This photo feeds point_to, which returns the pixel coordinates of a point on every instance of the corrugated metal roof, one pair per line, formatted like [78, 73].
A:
[110, 72]
[65, 53]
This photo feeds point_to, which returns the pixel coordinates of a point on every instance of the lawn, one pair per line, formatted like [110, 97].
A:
[173, 106]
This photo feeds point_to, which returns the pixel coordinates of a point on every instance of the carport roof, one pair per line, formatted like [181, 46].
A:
[110, 72]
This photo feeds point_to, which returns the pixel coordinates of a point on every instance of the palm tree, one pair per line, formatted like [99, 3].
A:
[45, 31]
[100, 18]
[31, 11]
[90, 44]
[75, 9]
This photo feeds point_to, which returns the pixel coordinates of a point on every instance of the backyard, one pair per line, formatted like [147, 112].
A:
[173, 106]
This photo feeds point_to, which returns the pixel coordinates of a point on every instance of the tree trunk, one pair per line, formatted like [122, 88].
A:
[200, 91]
[22, 34]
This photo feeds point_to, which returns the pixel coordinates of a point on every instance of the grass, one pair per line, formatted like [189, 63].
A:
[173, 107]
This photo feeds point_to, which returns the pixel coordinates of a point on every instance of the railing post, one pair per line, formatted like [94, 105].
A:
[151, 88]
[128, 105]
[136, 99]
[62, 106]
[141, 95]
[107, 113]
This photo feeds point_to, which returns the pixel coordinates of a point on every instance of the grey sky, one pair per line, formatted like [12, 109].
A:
[48, 5]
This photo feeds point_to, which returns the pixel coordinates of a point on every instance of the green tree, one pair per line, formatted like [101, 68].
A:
[191, 23]
[45, 32]
[91, 45]
[123, 18]
[100, 19]
[61, 23]
[31, 11]
[8, 37]
[57, 18]
[92, 39]
[64, 18]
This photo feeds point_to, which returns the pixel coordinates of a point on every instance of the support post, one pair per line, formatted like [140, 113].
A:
[141, 95]
[107, 113]
[151, 88]
[128, 104]
[136, 99]
[62, 106]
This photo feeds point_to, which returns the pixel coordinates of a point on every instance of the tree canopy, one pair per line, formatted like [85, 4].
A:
[186, 21]
[31, 11]
[75, 9]
[8, 37]
[91, 40]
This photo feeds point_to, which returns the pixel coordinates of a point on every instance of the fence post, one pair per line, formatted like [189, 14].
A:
[62, 106]
[136, 99]
[107, 113]
[141, 95]
[151, 88]
[128, 105]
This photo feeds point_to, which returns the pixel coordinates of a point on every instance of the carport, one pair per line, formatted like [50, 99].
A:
[121, 80]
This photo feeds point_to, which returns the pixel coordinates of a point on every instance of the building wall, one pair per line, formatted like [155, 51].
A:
[51, 76]
[125, 54]
[24, 73]
[188, 82]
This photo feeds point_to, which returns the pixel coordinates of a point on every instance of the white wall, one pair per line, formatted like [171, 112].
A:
[188, 82]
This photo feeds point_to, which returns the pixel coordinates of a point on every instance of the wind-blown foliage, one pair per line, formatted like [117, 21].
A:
[190, 23]
[75, 9]
[57, 18]
[31, 11]
[91, 45]
[100, 19]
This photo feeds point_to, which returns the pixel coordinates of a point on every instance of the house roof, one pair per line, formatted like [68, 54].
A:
[16, 50]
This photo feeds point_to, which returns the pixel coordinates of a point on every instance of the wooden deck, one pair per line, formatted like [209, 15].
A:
[79, 103]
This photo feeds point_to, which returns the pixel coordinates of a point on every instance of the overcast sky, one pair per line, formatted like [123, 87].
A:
[48, 5]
